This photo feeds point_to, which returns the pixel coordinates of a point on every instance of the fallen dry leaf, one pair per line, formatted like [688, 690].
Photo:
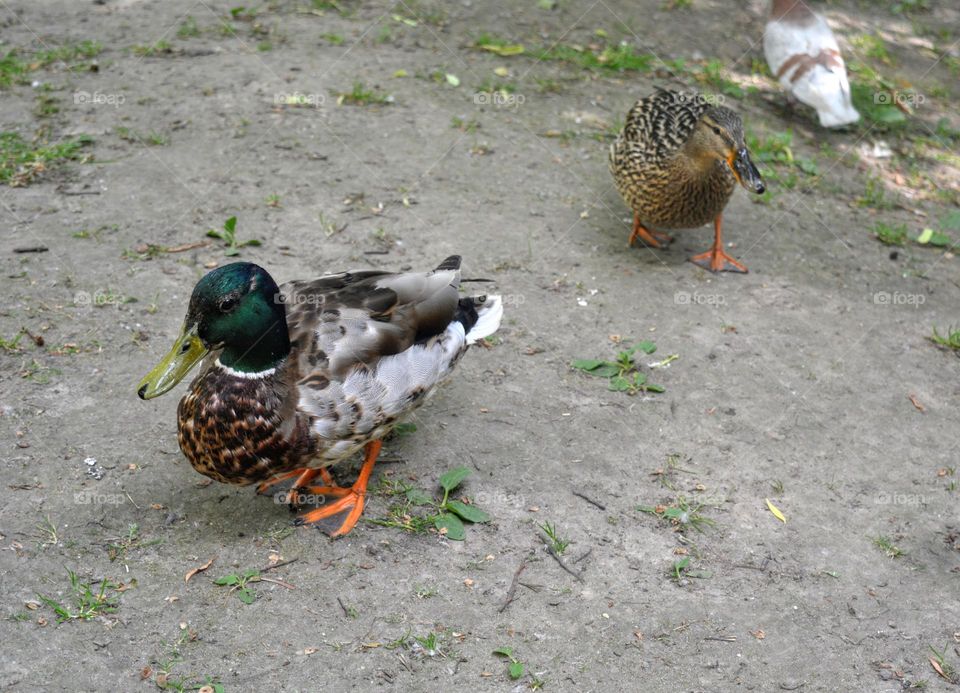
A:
[937, 668]
[194, 571]
[310, 650]
[776, 511]
[915, 402]
[758, 634]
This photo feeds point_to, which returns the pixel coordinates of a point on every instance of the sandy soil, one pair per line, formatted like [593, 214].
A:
[792, 382]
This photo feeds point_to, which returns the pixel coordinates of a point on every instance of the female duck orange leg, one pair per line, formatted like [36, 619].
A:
[654, 239]
[715, 259]
[352, 498]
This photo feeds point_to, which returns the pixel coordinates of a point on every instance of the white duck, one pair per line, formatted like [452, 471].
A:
[802, 52]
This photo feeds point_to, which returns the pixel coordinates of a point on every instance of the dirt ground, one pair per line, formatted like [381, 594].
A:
[793, 383]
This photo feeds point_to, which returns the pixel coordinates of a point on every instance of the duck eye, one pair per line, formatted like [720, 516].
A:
[716, 130]
[228, 304]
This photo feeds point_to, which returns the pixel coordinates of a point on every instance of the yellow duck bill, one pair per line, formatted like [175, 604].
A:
[186, 352]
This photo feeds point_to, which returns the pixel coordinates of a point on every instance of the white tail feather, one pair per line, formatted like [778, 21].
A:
[489, 314]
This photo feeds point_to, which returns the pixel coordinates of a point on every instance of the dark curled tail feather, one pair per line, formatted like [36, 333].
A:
[451, 263]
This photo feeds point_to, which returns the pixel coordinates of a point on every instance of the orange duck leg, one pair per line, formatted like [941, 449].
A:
[351, 499]
[715, 259]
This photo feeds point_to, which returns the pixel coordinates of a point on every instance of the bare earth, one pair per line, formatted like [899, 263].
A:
[792, 382]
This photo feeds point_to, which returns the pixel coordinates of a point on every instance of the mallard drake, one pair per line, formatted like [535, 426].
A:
[676, 162]
[299, 377]
[803, 53]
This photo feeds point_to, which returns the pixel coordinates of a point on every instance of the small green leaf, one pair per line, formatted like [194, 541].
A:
[453, 478]
[584, 364]
[504, 651]
[453, 80]
[252, 241]
[452, 525]
[418, 496]
[516, 670]
[247, 596]
[654, 388]
[470, 513]
[230, 252]
[951, 221]
[405, 429]
[925, 236]
[647, 509]
[619, 384]
[639, 379]
[213, 233]
[227, 580]
[647, 347]
[230, 224]
[700, 574]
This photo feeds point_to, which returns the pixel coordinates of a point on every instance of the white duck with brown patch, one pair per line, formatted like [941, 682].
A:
[803, 54]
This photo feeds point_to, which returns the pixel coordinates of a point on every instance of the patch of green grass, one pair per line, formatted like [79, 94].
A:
[153, 139]
[188, 29]
[84, 50]
[13, 70]
[891, 235]
[681, 514]
[874, 195]
[618, 58]
[333, 39]
[161, 47]
[908, 6]
[713, 75]
[886, 545]
[45, 105]
[240, 583]
[942, 666]
[515, 668]
[21, 162]
[361, 95]
[84, 603]
[623, 374]
[16, 64]
[229, 236]
[559, 544]
[273, 200]
[469, 126]
[119, 547]
[445, 516]
[872, 95]
[949, 340]
[429, 643]
[37, 373]
[11, 346]
[776, 150]
[872, 46]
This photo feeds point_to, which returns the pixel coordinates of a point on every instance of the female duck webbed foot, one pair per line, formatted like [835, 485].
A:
[654, 239]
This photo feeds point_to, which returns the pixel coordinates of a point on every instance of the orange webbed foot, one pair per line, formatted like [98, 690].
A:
[716, 260]
[654, 239]
[351, 500]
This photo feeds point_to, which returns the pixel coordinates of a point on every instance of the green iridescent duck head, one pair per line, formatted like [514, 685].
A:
[235, 310]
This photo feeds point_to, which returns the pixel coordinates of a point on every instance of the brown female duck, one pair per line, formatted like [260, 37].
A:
[676, 162]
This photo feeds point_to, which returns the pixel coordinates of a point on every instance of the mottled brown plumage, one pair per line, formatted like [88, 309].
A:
[676, 162]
